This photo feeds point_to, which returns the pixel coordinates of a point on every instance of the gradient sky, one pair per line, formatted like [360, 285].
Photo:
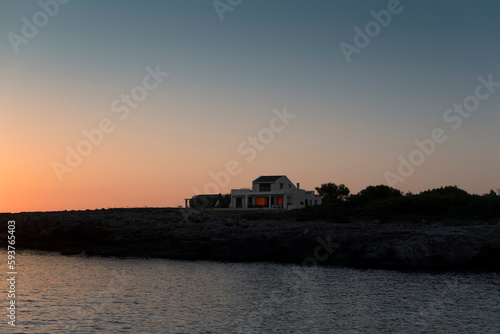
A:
[225, 78]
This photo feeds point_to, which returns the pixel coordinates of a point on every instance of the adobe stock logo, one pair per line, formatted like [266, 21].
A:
[453, 117]
[120, 106]
[30, 28]
[221, 7]
[248, 148]
[372, 29]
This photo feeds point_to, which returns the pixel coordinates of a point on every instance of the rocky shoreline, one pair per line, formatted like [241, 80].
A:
[193, 235]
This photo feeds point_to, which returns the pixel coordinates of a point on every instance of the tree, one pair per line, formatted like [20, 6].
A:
[372, 193]
[331, 191]
[446, 191]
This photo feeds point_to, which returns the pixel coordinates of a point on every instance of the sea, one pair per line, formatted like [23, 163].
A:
[82, 294]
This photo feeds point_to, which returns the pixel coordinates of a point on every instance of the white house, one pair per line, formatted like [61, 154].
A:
[274, 191]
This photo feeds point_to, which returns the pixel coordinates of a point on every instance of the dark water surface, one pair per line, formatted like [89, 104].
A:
[78, 294]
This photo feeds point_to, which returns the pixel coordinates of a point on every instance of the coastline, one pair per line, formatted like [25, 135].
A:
[222, 236]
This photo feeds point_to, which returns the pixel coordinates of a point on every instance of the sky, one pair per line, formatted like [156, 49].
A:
[123, 103]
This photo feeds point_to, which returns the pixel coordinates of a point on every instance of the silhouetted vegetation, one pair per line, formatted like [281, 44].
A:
[386, 204]
[332, 192]
[210, 201]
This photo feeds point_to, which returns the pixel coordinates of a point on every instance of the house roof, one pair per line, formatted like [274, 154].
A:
[268, 178]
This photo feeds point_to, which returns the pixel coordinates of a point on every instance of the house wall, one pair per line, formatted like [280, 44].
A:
[312, 198]
[298, 196]
[275, 186]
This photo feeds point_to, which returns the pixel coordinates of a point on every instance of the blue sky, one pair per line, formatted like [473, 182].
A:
[225, 77]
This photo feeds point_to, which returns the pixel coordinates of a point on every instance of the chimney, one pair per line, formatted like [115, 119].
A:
[298, 185]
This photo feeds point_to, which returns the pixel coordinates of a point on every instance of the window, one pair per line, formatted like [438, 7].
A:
[281, 185]
[265, 187]
[280, 200]
[261, 201]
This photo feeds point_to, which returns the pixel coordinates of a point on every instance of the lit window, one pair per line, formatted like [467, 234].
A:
[261, 201]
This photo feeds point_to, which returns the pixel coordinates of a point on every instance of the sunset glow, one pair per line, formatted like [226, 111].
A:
[98, 72]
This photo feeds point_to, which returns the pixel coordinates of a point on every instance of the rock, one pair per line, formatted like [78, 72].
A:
[231, 237]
